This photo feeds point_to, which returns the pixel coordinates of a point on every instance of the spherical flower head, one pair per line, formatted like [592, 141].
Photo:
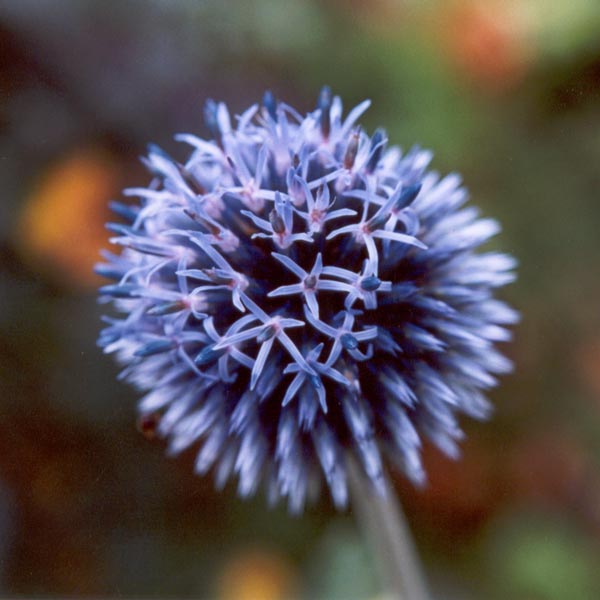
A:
[295, 293]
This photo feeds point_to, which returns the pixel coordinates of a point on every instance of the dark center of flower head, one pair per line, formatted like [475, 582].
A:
[295, 291]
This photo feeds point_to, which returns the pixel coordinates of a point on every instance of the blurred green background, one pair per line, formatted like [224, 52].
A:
[507, 92]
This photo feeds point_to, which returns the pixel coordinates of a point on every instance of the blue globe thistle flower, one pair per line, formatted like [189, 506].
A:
[296, 291]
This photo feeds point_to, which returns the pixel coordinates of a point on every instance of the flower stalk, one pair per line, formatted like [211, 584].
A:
[384, 525]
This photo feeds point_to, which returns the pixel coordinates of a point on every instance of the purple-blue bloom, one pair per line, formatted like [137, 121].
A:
[297, 291]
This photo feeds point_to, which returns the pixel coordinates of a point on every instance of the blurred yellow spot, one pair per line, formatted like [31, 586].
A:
[62, 224]
[256, 575]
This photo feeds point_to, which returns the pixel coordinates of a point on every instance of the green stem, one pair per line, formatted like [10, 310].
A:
[384, 525]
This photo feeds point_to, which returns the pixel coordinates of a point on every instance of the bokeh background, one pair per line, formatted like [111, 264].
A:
[507, 92]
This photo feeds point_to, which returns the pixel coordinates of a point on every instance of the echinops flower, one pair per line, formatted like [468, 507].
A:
[296, 292]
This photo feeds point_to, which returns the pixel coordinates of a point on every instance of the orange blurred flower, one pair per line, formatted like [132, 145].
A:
[62, 223]
[257, 574]
[491, 42]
